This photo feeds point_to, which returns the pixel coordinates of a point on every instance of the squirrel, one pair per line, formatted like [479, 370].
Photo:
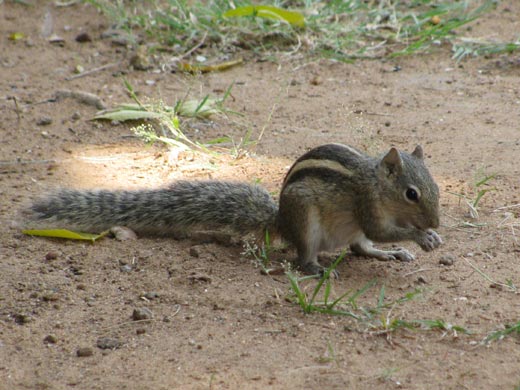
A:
[333, 196]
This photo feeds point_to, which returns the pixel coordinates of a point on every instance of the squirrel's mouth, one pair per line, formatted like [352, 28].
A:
[418, 226]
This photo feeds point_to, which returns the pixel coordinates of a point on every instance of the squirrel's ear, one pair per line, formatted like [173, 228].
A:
[418, 152]
[392, 162]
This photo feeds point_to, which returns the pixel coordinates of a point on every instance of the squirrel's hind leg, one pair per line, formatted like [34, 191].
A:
[365, 247]
[309, 243]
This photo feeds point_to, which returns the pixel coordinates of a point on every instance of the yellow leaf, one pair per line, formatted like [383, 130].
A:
[63, 233]
[16, 36]
[185, 67]
[268, 12]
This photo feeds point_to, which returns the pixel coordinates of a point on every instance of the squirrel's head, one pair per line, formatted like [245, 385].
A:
[408, 190]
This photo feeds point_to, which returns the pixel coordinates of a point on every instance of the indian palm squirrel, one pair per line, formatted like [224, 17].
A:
[333, 196]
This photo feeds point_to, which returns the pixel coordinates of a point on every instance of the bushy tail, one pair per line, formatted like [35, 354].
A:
[185, 205]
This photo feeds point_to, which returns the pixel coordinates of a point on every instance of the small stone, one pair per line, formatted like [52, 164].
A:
[51, 256]
[50, 339]
[151, 295]
[142, 313]
[108, 343]
[316, 80]
[447, 260]
[78, 69]
[83, 37]
[21, 318]
[194, 252]
[201, 278]
[126, 268]
[44, 121]
[56, 39]
[76, 271]
[140, 60]
[50, 296]
[76, 115]
[140, 331]
[122, 233]
[81, 286]
[422, 280]
[84, 352]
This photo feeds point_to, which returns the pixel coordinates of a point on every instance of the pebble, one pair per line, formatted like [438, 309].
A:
[140, 331]
[447, 260]
[84, 352]
[76, 115]
[108, 343]
[122, 233]
[22, 319]
[316, 80]
[422, 280]
[83, 37]
[151, 295]
[44, 121]
[201, 278]
[51, 256]
[126, 268]
[142, 313]
[50, 296]
[140, 61]
[194, 252]
[50, 339]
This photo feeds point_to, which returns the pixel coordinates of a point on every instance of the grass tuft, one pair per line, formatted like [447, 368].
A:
[163, 122]
[509, 330]
[344, 30]
[377, 319]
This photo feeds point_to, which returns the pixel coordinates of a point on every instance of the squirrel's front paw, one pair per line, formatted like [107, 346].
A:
[429, 240]
[398, 254]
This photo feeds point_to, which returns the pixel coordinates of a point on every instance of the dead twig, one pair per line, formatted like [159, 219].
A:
[89, 72]
[82, 97]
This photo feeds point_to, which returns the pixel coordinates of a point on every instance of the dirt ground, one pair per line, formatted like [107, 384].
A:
[218, 322]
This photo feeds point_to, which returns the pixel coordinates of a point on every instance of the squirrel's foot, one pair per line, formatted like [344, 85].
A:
[317, 269]
[429, 240]
[365, 248]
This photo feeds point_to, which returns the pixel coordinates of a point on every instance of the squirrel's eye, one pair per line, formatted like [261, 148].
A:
[412, 195]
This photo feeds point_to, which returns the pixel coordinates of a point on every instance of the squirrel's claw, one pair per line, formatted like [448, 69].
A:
[429, 240]
[399, 254]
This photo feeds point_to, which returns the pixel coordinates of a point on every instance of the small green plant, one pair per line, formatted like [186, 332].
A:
[480, 188]
[386, 374]
[508, 284]
[377, 319]
[477, 47]
[330, 356]
[261, 252]
[166, 119]
[346, 303]
[441, 325]
[309, 304]
[500, 334]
